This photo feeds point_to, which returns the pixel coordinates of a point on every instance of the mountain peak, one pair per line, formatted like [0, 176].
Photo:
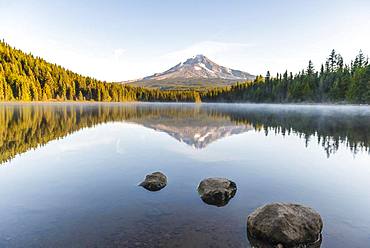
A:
[192, 72]
[200, 58]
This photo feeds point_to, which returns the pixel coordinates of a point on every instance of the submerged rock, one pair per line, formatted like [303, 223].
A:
[284, 225]
[216, 191]
[154, 182]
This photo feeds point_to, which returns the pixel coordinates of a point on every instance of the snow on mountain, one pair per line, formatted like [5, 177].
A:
[195, 72]
[200, 66]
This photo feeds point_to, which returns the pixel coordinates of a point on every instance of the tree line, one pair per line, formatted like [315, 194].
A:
[335, 82]
[24, 77]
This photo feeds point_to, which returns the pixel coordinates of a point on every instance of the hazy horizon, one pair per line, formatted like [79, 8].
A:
[126, 40]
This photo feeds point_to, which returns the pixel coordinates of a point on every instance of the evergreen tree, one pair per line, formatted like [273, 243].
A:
[336, 82]
[24, 77]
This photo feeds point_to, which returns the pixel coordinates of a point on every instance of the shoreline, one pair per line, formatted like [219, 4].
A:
[190, 103]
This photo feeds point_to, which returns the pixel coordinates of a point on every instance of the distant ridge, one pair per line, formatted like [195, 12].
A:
[195, 72]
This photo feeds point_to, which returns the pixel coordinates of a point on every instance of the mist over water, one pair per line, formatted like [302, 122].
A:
[69, 172]
[31, 125]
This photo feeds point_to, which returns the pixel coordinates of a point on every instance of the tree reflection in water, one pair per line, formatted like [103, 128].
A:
[28, 126]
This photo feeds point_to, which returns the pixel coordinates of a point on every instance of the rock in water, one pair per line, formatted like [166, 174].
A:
[216, 191]
[154, 182]
[284, 224]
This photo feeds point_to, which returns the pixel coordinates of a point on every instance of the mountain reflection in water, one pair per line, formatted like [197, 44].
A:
[27, 126]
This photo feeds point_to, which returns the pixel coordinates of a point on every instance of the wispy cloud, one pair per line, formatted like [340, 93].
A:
[118, 52]
[208, 48]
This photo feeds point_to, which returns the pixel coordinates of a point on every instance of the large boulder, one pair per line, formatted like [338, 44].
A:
[284, 225]
[154, 182]
[216, 191]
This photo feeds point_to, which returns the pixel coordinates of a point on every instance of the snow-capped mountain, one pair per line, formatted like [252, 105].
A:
[201, 136]
[201, 67]
[196, 128]
[194, 72]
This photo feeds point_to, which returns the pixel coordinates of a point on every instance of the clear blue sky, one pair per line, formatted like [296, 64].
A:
[121, 40]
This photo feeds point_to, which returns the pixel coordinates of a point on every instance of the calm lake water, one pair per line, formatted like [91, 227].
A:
[69, 173]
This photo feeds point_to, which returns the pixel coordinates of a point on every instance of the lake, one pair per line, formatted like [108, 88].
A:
[69, 173]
